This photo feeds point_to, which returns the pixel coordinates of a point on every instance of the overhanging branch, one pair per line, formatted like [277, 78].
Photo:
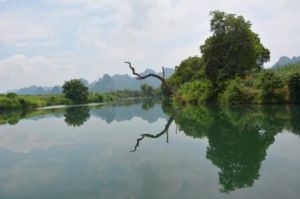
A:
[140, 76]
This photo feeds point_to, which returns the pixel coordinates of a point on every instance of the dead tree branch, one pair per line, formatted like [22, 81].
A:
[140, 76]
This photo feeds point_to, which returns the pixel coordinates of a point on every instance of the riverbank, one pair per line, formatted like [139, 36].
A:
[14, 102]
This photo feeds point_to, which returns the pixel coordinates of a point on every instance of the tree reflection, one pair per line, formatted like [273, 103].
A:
[238, 137]
[10, 118]
[77, 116]
[237, 148]
[295, 120]
[148, 104]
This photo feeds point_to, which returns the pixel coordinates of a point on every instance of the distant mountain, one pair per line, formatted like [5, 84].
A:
[283, 61]
[39, 90]
[106, 83]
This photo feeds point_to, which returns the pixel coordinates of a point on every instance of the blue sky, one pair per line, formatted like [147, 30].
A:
[47, 42]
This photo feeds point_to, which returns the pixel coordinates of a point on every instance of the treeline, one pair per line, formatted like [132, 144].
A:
[230, 70]
[77, 94]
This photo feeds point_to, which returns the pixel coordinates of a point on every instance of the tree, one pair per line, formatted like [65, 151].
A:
[189, 69]
[233, 49]
[75, 90]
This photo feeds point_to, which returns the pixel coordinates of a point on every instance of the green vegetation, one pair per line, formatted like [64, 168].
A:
[238, 92]
[72, 89]
[233, 49]
[76, 91]
[194, 92]
[230, 69]
[14, 102]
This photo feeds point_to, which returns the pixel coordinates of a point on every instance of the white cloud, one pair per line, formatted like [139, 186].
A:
[20, 71]
[98, 35]
[19, 30]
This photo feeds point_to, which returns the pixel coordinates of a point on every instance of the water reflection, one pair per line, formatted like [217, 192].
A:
[238, 137]
[154, 136]
[77, 116]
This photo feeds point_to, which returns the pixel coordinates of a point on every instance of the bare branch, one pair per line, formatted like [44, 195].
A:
[140, 76]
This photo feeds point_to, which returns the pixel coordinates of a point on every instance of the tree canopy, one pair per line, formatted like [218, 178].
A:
[233, 49]
[75, 90]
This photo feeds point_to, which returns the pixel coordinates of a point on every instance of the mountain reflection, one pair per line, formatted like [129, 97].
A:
[77, 116]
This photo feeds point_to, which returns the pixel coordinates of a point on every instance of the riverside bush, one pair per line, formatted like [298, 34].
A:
[273, 90]
[236, 92]
[194, 92]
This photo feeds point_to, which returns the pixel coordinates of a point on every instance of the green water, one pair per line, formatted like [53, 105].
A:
[145, 151]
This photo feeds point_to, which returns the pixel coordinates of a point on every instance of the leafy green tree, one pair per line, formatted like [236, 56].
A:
[294, 88]
[189, 69]
[75, 90]
[233, 49]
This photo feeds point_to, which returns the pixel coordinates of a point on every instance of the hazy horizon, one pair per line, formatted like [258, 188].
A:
[47, 42]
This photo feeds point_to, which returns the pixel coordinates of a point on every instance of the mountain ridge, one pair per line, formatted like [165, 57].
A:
[284, 60]
[106, 83]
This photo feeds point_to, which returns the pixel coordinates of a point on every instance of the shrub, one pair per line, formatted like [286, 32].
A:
[236, 92]
[9, 104]
[95, 97]
[272, 88]
[194, 92]
[294, 88]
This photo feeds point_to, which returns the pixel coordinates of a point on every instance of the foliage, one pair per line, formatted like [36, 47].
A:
[75, 90]
[189, 69]
[233, 49]
[285, 72]
[96, 97]
[294, 88]
[272, 88]
[9, 104]
[194, 92]
[236, 92]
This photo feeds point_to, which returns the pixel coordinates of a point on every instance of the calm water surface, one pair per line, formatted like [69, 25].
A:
[145, 151]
